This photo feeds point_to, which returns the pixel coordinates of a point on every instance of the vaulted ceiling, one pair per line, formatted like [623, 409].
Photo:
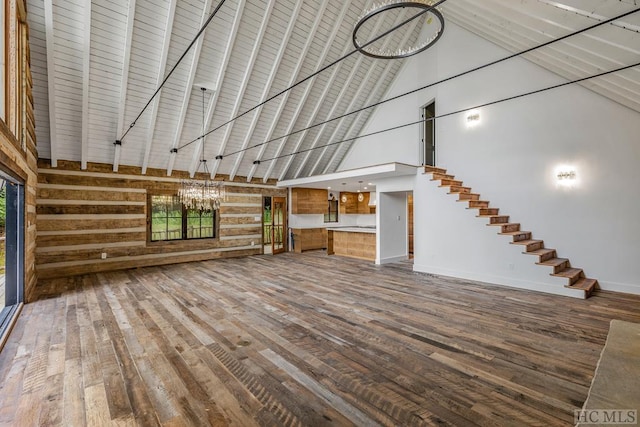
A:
[95, 64]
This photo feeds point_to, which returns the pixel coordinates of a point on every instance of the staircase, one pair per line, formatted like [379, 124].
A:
[561, 267]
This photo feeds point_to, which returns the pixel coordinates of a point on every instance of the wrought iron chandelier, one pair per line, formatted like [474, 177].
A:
[204, 194]
[431, 29]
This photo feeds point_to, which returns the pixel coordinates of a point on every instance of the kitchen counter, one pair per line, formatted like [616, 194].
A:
[353, 242]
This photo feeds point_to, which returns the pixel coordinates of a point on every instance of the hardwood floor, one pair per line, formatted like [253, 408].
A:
[299, 340]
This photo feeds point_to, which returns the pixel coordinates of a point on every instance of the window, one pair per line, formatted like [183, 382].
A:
[171, 220]
[332, 212]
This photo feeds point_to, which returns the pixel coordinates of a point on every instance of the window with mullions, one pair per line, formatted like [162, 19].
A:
[332, 212]
[171, 220]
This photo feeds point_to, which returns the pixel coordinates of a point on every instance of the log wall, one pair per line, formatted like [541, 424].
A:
[82, 214]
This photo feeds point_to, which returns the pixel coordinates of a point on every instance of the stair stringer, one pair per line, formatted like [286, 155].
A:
[450, 240]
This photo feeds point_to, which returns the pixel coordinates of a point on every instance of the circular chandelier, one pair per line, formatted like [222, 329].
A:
[432, 18]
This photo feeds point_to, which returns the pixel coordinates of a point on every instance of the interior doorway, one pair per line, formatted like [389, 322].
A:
[410, 223]
[429, 134]
[274, 225]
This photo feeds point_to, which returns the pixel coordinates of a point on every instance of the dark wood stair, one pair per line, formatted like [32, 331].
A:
[561, 267]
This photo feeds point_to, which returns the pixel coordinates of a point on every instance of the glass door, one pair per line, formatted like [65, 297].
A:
[279, 227]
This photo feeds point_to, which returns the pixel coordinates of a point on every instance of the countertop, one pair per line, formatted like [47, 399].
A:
[371, 230]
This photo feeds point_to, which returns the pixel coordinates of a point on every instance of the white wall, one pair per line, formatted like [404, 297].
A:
[510, 158]
[392, 228]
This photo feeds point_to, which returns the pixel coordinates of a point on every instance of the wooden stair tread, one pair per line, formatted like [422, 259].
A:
[431, 169]
[526, 242]
[504, 223]
[568, 272]
[553, 262]
[542, 252]
[585, 283]
[512, 233]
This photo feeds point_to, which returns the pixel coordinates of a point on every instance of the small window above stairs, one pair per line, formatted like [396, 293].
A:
[547, 257]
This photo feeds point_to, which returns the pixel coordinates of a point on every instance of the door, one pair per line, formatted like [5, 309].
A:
[429, 134]
[279, 227]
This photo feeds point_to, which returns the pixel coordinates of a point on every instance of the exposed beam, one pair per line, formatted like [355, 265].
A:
[245, 81]
[161, 70]
[124, 81]
[51, 80]
[294, 77]
[321, 59]
[345, 86]
[363, 86]
[267, 87]
[213, 101]
[86, 69]
[188, 90]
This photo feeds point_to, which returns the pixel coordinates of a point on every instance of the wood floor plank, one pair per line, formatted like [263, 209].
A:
[300, 340]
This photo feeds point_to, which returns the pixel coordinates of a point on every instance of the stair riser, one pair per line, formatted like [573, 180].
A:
[534, 246]
[488, 211]
[510, 227]
[499, 220]
[547, 257]
[457, 190]
[437, 176]
[447, 182]
[478, 204]
[522, 236]
[468, 196]
[559, 268]
[429, 169]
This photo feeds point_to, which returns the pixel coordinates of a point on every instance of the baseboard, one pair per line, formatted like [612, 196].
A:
[624, 288]
[555, 289]
[389, 260]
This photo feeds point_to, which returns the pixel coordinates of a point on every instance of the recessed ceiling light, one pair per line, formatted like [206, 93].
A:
[328, 188]
[364, 188]
[371, 183]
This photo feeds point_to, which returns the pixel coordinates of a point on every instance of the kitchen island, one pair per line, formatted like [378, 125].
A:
[354, 242]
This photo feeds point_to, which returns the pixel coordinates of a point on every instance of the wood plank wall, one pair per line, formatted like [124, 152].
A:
[18, 155]
[84, 213]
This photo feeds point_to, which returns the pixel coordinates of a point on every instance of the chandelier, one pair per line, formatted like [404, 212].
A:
[204, 194]
[431, 28]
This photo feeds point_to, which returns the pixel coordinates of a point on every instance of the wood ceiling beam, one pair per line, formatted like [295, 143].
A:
[347, 84]
[245, 81]
[86, 70]
[153, 115]
[213, 100]
[321, 60]
[188, 90]
[267, 87]
[368, 101]
[361, 87]
[294, 77]
[124, 81]
[51, 80]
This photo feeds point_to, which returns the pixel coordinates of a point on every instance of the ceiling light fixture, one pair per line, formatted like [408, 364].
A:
[432, 18]
[197, 194]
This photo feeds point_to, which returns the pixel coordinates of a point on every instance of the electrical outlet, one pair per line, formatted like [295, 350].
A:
[253, 243]
[103, 255]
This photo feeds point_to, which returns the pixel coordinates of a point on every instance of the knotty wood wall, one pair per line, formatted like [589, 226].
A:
[18, 155]
[83, 213]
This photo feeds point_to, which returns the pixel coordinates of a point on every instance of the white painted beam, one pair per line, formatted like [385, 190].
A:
[362, 87]
[245, 81]
[267, 87]
[345, 86]
[51, 80]
[86, 68]
[213, 100]
[161, 70]
[124, 81]
[309, 84]
[187, 90]
[294, 76]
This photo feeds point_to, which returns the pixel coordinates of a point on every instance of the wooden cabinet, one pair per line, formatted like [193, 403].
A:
[351, 204]
[305, 239]
[352, 244]
[308, 201]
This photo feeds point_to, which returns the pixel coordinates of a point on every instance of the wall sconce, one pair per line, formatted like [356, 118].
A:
[566, 176]
[473, 118]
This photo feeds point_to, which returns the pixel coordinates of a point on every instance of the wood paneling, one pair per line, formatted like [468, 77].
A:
[17, 140]
[82, 214]
[309, 201]
[309, 238]
[247, 342]
[353, 244]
